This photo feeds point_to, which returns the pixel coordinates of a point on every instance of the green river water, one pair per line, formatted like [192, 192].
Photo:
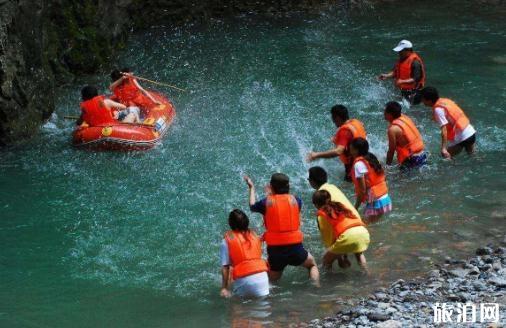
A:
[131, 240]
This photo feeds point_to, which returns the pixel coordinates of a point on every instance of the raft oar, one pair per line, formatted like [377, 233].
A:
[71, 117]
[158, 83]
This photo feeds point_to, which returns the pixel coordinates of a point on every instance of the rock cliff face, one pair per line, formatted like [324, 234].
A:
[43, 43]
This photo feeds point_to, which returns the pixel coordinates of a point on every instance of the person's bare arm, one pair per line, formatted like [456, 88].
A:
[225, 281]
[392, 144]
[117, 82]
[325, 154]
[251, 188]
[113, 104]
[399, 82]
[444, 143]
[361, 192]
[144, 92]
[385, 76]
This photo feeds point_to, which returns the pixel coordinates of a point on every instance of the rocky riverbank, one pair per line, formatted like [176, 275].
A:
[478, 281]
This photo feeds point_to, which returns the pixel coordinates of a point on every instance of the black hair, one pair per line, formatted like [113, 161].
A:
[116, 74]
[430, 93]
[340, 111]
[238, 221]
[318, 175]
[280, 183]
[393, 108]
[89, 92]
[362, 147]
[322, 200]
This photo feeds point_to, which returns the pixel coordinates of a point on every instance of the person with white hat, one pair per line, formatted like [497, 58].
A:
[408, 72]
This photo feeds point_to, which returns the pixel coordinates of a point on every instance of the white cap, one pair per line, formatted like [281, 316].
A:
[404, 44]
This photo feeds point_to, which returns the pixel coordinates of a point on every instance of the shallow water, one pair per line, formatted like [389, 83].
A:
[128, 240]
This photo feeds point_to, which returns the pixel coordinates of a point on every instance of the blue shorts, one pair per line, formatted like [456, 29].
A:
[414, 162]
[281, 256]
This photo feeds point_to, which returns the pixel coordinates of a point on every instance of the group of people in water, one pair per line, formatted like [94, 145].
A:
[125, 105]
[343, 232]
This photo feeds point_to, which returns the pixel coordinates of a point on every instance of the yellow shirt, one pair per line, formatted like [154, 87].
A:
[336, 195]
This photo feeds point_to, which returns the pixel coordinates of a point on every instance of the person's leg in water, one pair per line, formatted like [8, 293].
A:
[329, 258]
[347, 172]
[371, 219]
[274, 275]
[455, 150]
[343, 262]
[470, 148]
[314, 274]
[362, 262]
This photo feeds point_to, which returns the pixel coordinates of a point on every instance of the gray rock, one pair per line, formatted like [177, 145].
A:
[484, 251]
[485, 267]
[404, 293]
[383, 305]
[499, 282]
[500, 250]
[390, 310]
[479, 285]
[459, 272]
[378, 316]
[380, 296]
[488, 259]
[390, 324]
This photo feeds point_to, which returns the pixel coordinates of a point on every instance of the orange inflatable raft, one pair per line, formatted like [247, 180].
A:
[129, 136]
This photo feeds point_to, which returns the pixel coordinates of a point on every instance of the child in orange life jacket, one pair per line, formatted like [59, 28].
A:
[369, 179]
[281, 212]
[241, 259]
[341, 230]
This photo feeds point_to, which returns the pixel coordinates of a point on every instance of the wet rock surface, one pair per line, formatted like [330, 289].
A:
[478, 280]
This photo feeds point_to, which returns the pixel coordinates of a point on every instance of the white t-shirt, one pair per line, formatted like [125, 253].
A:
[360, 170]
[459, 135]
[256, 285]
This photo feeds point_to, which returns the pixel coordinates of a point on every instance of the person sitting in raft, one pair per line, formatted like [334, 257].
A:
[403, 138]
[347, 232]
[128, 91]
[281, 212]
[457, 133]
[241, 260]
[408, 72]
[97, 110]
[347, 130]
[369, 180]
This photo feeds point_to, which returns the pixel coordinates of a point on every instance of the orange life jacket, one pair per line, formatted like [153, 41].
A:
[128, 93]
[245, 251]
[457, 119]
[402, 71]
[96, 113]
[340, 223]
[357, 130]
[375, 182]
[413, 137]
[282, 221]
